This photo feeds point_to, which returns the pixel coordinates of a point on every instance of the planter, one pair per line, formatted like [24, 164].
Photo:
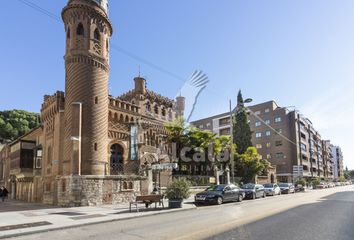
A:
[175, 203]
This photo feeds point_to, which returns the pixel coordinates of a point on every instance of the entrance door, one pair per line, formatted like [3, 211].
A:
[117, 159]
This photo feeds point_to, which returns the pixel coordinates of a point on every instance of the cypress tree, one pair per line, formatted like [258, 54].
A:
[242, 133]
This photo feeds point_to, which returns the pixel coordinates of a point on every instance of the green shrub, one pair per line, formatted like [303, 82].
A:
[316, 181]
[301, 182]
[178, 189]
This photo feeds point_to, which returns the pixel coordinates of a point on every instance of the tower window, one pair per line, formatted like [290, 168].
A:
[95, 146]
[96, 35]
[80, 30]
[96, 100]
[68, 33]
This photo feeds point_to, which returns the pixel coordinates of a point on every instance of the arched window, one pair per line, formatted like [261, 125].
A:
[96, 35]
[68, 33]
[80, 30]
[49, 155]
[156, 109]
[148, 107]
[170, 114]
[116, 159]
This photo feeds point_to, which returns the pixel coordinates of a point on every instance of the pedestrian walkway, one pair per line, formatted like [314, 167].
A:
[18, 218]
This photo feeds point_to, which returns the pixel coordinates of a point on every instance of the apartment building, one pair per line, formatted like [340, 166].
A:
[284, 137]
[328, 159]
[338, 167]
[219, 124]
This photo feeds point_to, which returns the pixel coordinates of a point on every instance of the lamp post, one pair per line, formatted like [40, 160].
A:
[237, 109]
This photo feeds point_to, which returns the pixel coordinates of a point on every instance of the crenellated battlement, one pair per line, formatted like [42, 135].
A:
[119, 104]
[52, 105]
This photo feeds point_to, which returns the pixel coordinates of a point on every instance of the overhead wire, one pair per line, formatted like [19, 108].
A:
[144, 61]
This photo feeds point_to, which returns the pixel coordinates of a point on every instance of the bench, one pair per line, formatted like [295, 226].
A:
[147, 200]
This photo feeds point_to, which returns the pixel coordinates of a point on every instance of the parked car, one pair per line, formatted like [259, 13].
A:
[219, 194]
[299, 188]
[331, 185]
[253, 191]
[271, 189]
[337, 184]
[322, 185]
[287, 188]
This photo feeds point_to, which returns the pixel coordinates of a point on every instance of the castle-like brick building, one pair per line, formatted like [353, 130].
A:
[91, 148]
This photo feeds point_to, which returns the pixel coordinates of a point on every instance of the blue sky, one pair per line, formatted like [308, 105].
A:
[298, 53]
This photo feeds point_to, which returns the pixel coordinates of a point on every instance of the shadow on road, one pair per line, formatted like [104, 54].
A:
[11, 206]
[331, 217]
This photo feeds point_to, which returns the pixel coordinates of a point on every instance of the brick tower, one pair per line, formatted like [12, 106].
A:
[88, 31]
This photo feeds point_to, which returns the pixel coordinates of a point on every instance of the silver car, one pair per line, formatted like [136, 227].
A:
[272, 189]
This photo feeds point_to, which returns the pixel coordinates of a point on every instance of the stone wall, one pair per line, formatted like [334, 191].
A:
[97, 190]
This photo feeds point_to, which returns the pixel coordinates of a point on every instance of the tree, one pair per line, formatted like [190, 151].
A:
[15, 123]
[199, 141]
[249, 164]
[348, 174]
[351, 174]
[341, 179]
[242, 133]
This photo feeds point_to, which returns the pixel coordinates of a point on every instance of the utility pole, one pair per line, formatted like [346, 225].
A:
[231, 147]
[237, 109]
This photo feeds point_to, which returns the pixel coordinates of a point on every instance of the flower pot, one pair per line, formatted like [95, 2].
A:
[175, 203]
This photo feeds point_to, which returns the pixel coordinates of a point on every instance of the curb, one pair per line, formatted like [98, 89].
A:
[88, 224]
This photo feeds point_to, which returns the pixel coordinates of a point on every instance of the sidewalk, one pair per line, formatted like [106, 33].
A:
[19, 218]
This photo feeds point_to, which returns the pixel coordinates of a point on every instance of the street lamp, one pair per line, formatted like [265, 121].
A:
[248, 100]
[237, 109]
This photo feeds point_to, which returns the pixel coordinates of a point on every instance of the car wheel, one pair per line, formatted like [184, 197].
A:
[264, 195]
[279, 193]
[254, 196]
[219, 201]
[240, 198]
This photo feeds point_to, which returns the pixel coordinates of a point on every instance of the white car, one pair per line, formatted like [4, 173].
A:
[271, 189]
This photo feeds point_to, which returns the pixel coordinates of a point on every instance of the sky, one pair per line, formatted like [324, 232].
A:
[298, 53]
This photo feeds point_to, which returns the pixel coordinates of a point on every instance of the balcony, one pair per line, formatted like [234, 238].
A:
[224, 122]
[303, 129]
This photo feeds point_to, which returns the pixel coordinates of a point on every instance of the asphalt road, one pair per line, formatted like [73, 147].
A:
[323, 214]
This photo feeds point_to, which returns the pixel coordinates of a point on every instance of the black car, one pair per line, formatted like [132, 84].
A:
[287, 188]
[219, 194]
[253, 191]
[299, 188]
